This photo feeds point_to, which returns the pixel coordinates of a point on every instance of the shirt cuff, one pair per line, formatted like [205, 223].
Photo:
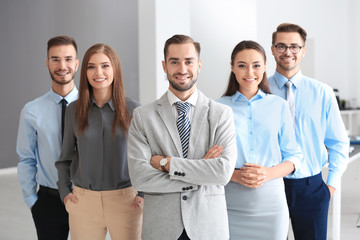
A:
[334, 179]
[31, 200]
[141, 194]
[64, 193]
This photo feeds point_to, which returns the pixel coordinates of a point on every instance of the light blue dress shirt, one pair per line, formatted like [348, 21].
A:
[39, 143]
[264, 132]
[319, 128]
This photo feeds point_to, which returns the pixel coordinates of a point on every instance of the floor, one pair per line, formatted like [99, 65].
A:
[16, 221]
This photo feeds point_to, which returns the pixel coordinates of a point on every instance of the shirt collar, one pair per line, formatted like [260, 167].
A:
[281, 80]
[238, 96]
[69, 98]
[110, 103]
[192, 99]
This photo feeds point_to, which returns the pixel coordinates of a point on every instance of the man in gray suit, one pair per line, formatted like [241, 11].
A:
[182, 159]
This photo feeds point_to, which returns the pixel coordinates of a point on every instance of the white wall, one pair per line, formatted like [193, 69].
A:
[172, 17]
[332, 30]
[158, 21]
[354, 47]
[218, 28]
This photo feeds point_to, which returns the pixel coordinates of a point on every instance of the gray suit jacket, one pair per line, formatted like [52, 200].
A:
[191, 195]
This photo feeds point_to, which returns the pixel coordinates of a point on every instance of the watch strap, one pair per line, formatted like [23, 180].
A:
[164, 168]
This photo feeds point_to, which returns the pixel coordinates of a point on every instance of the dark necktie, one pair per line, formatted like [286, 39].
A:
[63, 108]
[183, 125]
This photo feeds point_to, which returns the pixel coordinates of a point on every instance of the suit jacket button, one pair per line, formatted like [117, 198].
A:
[187, 188]
[183, 174]
[183, 189]
[191, 187]
[176, 173]
[184, 198]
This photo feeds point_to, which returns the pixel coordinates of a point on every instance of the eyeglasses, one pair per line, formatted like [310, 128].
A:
[281, 48]
[56, 61]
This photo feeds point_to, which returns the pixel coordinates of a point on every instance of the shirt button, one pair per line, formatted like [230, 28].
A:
[184, 198]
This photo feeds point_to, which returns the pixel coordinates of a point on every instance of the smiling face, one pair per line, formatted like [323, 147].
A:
[62, 64]
[100, 72]
[182, 66]
[249, 68]
[288, 63]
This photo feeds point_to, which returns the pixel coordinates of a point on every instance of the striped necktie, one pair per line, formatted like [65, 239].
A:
[291, 100]
[183, 125]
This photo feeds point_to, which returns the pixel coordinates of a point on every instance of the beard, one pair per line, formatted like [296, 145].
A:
[181, 87]
[62, 82]
[284, 66]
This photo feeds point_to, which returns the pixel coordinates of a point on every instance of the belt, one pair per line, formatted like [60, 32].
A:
[50, 191]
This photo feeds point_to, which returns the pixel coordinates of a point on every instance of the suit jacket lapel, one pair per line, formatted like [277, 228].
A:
[166, 115]
[200, 115]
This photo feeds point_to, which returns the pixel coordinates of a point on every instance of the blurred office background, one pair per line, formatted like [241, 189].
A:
[137, 30]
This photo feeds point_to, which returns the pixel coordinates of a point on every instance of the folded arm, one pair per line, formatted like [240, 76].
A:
[183, 173]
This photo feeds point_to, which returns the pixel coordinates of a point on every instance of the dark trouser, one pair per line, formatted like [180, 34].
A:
[50, 217]
[308, 201]
[184, 236]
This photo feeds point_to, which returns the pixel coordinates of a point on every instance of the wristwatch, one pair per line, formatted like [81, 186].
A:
[163, 163]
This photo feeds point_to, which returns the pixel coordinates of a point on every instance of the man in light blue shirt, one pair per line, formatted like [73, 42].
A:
[319, 130]
[40, 138]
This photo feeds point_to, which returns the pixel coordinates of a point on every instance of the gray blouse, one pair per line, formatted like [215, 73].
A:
[96, 159]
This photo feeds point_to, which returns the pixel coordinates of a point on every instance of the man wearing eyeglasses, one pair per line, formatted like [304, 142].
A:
[40, 138]
[320, 132]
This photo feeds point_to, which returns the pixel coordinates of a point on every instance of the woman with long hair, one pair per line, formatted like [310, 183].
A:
[93, 173]
[267, 149]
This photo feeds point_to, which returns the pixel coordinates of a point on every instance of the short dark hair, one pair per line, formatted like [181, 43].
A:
[61, 40]
[289, 27]
[233, 84]
[180, 39]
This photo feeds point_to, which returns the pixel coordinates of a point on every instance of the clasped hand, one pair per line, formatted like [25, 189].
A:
[251, 175]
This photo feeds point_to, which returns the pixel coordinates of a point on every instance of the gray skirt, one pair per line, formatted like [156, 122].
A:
[260, 213]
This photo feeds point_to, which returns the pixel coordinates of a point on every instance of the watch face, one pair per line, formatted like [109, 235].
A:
[163, 162]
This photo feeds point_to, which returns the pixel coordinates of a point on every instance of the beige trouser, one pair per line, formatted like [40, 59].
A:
[97, 211]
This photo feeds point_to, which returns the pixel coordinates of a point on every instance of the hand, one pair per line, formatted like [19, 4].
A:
[155, 162]
[214, 152]
[332, 190]
[251, 175]
[70, 197]
[138, 202]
